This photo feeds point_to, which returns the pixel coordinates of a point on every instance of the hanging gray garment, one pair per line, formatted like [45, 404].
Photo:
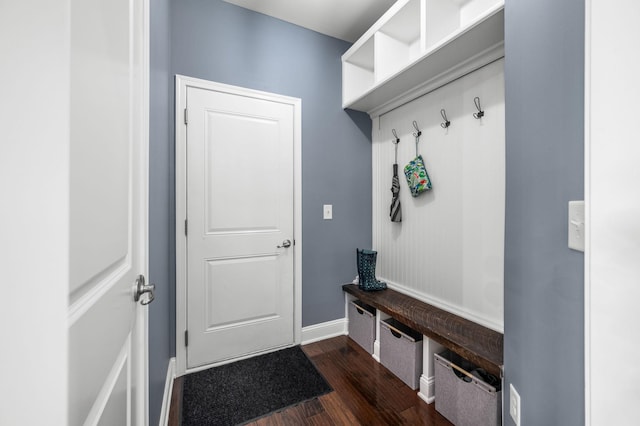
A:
[395, 211]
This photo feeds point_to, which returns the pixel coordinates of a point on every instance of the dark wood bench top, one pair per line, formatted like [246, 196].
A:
[480, 345]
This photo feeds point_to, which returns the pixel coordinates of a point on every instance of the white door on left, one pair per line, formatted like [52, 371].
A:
[108, 212]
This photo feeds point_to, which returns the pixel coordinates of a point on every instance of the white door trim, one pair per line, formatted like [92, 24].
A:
[611, 211]
[587, 213]
[182, 83]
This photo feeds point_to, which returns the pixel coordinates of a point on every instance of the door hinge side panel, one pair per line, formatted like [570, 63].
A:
[186, 227]
[186, 117]
[186, 337]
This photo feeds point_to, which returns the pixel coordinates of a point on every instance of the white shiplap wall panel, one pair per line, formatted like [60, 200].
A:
[449, 248]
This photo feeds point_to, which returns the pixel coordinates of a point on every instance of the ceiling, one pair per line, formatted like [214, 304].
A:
[343, 19]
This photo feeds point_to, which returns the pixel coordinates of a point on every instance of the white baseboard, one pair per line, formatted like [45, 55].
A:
[427, 389]
[324, 330]
[168, 389]
[376, 350]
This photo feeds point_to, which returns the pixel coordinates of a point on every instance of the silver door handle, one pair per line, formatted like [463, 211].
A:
[285, 244]
[142, 288]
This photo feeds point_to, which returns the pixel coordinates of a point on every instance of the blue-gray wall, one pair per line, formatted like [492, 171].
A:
[217, 41]
[161, 241]
[543, 298]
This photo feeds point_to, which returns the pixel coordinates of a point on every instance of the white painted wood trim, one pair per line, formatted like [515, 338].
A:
[376, 345]
[472, 64]
[181, 215]
[380, 316]
[376, 337]
[101, 400]
[324, 330]
[611, 210]
[348, 298]
[427, 391]
[297, 219]
[168, 392]
[141, 337]
[587, 214]
[428, 377]
[182, 82]
[88, 300]
[141, 342]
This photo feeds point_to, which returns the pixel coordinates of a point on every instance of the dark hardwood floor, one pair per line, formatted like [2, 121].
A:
[365, 393]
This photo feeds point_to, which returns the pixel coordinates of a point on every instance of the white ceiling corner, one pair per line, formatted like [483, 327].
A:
[343, 19]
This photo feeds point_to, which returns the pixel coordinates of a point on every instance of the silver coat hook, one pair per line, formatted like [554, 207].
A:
[478, 115]
[417, 133]
[395, 142]
[446, 123]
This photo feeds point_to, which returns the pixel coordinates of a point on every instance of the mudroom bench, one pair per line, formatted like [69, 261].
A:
[478, 344]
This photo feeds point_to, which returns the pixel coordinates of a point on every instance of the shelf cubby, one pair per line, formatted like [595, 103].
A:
[417, 46]
[358, 71]
[444, 17]
[398, 41]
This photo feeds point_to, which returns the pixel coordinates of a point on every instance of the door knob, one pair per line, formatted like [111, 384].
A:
[142, 288]
[285, 244]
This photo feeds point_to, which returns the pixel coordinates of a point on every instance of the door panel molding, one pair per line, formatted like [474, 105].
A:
[120, 367]
[182, 84]
[88, 300]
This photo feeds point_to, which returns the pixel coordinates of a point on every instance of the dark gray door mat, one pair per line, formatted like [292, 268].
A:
[245, 390]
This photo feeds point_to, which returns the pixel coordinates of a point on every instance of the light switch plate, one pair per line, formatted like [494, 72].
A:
[576, 225]
[514, 404]
[327, 211]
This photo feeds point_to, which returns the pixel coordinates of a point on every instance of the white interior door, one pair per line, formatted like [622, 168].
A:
[240, 211]
[108, 212]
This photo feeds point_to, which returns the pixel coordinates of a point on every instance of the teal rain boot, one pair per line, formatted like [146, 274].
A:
[367, 271]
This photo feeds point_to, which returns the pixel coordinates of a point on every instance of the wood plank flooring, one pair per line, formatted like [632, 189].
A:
[365, 393]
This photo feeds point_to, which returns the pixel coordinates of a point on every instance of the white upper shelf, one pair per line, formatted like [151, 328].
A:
[418, 46]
